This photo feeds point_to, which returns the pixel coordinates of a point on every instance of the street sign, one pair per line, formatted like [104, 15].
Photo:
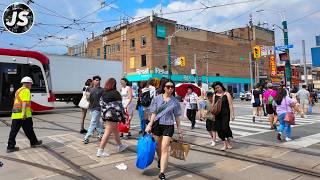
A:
[279, 48]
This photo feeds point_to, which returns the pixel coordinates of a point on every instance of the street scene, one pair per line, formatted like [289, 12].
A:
[159, 89]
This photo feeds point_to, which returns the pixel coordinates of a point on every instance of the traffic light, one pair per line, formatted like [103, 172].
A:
[256, 52]
[182, 61]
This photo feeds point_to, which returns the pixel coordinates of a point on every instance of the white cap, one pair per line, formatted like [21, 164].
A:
[26, 80]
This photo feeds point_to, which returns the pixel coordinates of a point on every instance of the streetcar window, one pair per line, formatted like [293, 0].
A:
[36, 74]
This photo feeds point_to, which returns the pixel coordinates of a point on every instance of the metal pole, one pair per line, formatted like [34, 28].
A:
[288, 64]
[251, 78]
[304, 63]
[169, 57]
[208, 71]
[195, 67]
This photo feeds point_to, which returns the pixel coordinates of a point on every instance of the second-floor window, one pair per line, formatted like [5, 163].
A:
[143, 60]
[98, 52]
[143, 41]
[132, 43]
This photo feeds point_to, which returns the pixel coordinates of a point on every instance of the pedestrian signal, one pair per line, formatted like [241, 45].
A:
[256, 52]
[182, 61]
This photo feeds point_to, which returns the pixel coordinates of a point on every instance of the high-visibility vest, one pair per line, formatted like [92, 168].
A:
[17, 106]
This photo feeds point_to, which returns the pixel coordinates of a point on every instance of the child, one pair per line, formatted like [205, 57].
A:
[210, 121]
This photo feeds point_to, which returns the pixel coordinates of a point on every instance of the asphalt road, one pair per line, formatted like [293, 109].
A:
[256, 153]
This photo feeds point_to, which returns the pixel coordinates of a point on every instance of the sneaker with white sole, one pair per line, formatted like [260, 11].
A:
[288, 139]
[102, 153]
[122, 147]
[213, 143]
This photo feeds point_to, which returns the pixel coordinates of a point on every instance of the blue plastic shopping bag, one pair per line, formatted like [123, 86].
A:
[145, 151]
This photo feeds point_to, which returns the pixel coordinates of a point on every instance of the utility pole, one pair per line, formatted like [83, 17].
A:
[286, 42]
[304, 63]
[169, 57]
[250, 32]
[251, 78]
[206, 58]
[195, 67]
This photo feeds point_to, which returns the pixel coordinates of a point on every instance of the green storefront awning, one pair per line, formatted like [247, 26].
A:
[187, 78]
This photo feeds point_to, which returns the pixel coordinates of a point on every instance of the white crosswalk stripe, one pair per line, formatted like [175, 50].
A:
[243, 125]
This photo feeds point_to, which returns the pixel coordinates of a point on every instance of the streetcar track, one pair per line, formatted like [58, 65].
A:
[249, 158]
[232, 155]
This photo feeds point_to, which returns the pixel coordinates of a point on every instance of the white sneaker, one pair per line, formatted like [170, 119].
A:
[213, 143]
[102, 153]
[288, 139]
[122, 147]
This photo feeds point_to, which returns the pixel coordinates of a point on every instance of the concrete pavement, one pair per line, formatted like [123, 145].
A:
[64, 156]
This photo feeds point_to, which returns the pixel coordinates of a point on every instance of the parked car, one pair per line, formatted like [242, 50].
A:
[245, 96]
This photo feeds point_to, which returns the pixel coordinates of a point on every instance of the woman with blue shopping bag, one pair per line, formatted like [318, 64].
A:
[145, 151]
[165, 110]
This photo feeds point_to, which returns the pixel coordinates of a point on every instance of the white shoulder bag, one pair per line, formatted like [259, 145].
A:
[84, 102]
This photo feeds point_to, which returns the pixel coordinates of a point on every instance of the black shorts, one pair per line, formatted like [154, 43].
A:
[269, 109]
[162, 130]
[210, 125]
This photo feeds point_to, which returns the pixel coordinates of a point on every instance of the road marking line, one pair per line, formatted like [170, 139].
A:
[303, 141]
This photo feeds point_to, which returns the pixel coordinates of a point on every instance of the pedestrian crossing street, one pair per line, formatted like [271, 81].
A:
[243, 126]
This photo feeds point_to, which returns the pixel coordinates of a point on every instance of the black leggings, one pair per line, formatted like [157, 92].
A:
[191, 114]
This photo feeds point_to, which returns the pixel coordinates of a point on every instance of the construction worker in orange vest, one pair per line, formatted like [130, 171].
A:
[22, 116]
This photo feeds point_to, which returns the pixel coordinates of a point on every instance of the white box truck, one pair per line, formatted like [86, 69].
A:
[69, 73]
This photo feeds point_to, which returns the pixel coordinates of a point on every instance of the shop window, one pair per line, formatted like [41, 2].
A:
[143, 41]
[143, 60]
[104, 52]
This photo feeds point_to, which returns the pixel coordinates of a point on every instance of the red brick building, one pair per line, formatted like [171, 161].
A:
[143, 48]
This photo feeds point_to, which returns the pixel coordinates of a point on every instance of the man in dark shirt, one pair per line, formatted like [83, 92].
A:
[95, 109]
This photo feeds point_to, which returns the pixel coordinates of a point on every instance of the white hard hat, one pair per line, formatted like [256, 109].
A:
[26, 80]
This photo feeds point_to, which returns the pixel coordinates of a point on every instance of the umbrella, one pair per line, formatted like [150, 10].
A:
[182, 89]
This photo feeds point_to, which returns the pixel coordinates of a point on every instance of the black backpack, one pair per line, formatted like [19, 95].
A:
[146, 99]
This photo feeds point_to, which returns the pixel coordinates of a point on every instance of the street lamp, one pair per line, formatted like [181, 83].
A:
[284, 29]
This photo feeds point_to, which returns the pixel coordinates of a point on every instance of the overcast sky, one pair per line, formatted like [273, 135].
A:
[54, 29]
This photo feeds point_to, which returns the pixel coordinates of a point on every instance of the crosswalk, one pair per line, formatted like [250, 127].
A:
[243, 125]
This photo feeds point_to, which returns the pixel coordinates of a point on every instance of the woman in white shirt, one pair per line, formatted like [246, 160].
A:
[191, 101]
[127, 96]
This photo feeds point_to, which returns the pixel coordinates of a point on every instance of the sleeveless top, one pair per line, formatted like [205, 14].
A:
[225, 105]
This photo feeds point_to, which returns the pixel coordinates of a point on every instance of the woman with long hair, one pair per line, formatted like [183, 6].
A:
[222, 120]
[127, 96]
[112, 113]
[283, 104]
[86, 88]
[257, 105]
[165, 111]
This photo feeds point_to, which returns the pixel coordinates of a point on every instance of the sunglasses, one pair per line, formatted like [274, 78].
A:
[169, 86]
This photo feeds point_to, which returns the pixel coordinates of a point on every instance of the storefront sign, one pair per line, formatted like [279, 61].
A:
[142, 71]
[273, 65]
[161, 31]
[160, 71]
[186, 28]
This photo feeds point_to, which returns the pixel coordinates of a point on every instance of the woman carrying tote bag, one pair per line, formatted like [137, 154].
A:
[84, 104]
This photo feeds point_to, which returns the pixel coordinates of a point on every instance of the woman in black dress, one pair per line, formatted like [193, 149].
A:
[226, 114]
